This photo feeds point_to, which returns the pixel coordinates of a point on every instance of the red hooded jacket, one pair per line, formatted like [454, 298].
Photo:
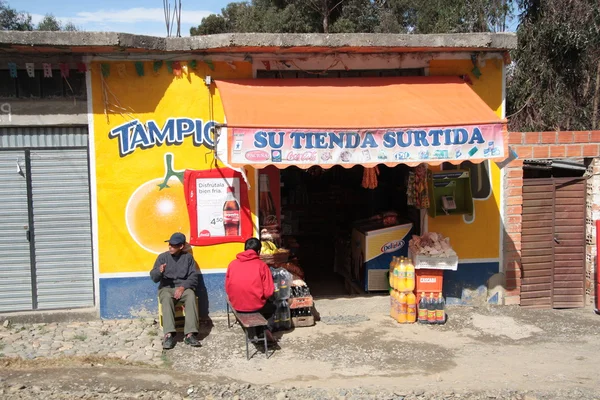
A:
[248, 282]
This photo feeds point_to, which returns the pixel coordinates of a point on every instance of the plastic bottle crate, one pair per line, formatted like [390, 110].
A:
[428, 280]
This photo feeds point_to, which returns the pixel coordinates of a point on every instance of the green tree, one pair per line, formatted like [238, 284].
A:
[554, 82]
[49, 23]
[13, 20]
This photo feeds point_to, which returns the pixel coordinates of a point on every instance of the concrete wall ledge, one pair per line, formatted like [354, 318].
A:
[39, 317]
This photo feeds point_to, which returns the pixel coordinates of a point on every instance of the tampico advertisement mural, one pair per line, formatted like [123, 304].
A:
[148, 131]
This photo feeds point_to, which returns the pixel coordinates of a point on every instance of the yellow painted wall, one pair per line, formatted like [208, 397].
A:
[134, 216]
[481, 237]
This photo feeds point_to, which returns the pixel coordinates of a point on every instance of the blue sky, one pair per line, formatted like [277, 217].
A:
[133, 16]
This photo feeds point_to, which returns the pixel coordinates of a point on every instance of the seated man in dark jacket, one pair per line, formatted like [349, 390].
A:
[176, 272]
[249, 283]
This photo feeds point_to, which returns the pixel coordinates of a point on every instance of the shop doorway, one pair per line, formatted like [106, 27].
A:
[319, 208]
[553, 242]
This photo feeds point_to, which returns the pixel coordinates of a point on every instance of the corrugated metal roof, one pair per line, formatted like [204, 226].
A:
[43, 137]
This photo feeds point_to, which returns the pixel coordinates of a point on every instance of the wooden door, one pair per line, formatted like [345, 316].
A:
[553, 243]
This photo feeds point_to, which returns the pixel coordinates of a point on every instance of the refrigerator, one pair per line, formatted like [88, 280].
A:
[373, 247]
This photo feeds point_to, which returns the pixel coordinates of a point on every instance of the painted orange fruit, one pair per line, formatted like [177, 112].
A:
[152, 215]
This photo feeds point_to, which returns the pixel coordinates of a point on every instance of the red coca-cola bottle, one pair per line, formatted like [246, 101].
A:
[231, 214]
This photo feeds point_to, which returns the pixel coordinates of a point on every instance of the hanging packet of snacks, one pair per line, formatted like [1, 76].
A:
[418, 192]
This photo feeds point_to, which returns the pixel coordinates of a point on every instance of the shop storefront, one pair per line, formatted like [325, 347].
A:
[203, 146]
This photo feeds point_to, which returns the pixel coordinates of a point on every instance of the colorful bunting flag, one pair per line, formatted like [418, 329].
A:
[121, 70]
[47, 70]
[64, 70]
[267, 65]
[139, 68]
[170, 67]
[193, 64]
[12, 69]
[30, 67]
[231, 65]
[210, 64]
[81, 67]
[177, 68]
[105, 67]
[157, 66]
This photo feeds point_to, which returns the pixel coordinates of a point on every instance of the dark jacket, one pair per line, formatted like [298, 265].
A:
[180, 271]
[248, 282]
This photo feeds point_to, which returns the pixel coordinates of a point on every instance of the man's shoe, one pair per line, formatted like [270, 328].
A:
[192, 340]
[168, 341]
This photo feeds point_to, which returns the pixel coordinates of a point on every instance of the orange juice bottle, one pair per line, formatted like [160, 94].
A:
[410, 276]
[396, 275]
[411, 310]
[401, 276]
[391, 276]
[402, 308]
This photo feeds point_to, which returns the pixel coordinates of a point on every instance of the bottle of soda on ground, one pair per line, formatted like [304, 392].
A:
[431, 308]
[440, 313]
[231, 214]
[423, 309]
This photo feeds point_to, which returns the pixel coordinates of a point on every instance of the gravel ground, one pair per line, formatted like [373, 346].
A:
[356, 351]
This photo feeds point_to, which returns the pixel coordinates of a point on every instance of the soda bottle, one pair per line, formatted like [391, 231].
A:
[402, 276]
[423, 309]
[393, 304]
[431, 308]
[440, 313]
[410, 276]
[231, 214]
[411, 313]
[402, 308]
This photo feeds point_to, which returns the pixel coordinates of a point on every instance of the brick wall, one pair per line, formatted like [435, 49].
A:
[537, 145]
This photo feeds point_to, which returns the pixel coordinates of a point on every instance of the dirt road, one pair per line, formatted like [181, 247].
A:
[356, 351]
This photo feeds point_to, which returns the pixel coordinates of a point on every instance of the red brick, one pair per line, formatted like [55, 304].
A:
[518, 163]
[513, 292]
[514, 182]
[514, 173]
[512, 265]
[557, 151]
[541, 151]
[512, 300]
[590, 150]
[514, 200]
[548, 137]
[512, 228]
[581, 137]
[565, 137]
[513, 286]
[513, 219]
[531, 137]
[514, 191]
[514, 210]
[516, 235]
[595, 136]
[512, 255]
[512, 246]
[574, 150]
[524, 151]
[513, 274]
[515, 137]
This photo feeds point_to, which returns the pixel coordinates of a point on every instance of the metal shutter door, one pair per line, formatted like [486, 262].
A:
[63, 240]
[15, 257]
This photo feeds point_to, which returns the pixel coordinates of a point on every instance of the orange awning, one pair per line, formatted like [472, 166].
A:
[356, 105]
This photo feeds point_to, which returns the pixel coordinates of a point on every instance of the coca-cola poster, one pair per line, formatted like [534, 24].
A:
[217, 206]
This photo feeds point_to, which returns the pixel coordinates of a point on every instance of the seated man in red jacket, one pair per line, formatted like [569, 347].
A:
[249, 283]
